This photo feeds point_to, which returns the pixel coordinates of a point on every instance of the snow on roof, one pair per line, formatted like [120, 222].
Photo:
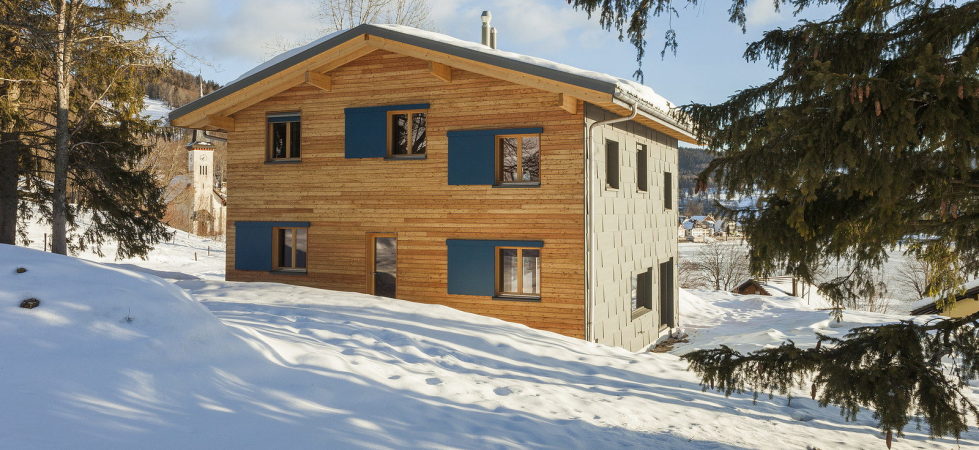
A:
[629, 87]
[624, 86]
[927, 301]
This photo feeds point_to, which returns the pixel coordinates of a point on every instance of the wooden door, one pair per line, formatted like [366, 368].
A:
[382, 264]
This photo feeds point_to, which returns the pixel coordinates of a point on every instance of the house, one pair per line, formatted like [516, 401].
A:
[783, 286]
[404, 163]
[698, 228]
[193, 201]
[965, 304]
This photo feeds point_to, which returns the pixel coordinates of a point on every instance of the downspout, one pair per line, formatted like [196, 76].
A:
[590, 281]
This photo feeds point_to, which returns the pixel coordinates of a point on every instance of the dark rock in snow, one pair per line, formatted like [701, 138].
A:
[30, 303]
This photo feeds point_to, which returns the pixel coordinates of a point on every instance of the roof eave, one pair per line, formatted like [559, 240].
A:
[409, 39]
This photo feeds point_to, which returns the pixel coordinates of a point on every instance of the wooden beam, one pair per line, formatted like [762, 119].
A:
[320, 80]
[220, 122]
[278, 82]
[489, 70]
[567, 103]
[441, 71]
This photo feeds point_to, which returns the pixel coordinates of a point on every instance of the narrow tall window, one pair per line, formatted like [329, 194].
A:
[407, 133]
[283, 137]
[518, 159]
[518, 272]
[642, 178]
[611, 164]
[667, 190]
[290, 248]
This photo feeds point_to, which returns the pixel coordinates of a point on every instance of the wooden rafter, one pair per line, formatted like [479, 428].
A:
[441, 71]
[224, 123]
[320, 80]
[567, 103]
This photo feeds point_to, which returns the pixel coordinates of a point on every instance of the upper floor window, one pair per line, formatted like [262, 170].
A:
[642, 178]
[518, 158]
[407, 133]
[611, 164]
[283, 137]
[289, 245]
[518, 272]
[667, 190]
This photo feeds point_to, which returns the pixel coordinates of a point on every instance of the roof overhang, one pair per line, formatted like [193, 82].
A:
[214, 111]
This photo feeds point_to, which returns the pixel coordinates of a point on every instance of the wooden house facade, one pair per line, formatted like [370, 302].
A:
[406, 164]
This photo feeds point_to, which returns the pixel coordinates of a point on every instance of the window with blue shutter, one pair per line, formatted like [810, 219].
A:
[472, 154]
[253, 244]
[366, 129]
[472, 264]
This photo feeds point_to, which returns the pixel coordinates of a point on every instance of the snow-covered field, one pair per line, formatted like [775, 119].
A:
[118, 357]
[901, 299]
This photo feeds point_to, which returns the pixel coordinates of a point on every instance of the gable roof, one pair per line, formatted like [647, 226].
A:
[329, 52]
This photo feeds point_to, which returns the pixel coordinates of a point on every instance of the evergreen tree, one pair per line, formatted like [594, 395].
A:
[19, 85]
[867, 137]
[94, 56]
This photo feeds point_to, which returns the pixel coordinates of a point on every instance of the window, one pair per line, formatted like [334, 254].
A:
[406, 133]
[611, 164]
[667, 190]
[518, 272]
[666, 299]
[518, 159]
[642, 183]
[283, 137]
[289, 248]
[642, 296]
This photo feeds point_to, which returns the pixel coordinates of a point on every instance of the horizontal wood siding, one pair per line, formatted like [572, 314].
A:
[344, 199]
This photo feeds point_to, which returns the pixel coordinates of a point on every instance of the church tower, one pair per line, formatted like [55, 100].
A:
[200, 165]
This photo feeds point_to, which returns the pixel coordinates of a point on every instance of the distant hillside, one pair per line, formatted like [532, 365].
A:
[176, 87]
[692, 162]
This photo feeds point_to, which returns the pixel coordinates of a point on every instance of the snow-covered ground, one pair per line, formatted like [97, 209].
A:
[117, 357]
[901, 299]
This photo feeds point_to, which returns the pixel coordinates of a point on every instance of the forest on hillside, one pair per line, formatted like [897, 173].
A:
[692, 162]
[176, 87]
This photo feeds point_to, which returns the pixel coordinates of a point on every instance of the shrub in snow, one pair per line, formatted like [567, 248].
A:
[21, 270]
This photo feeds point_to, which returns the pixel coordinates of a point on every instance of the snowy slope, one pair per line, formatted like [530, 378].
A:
[271, 366]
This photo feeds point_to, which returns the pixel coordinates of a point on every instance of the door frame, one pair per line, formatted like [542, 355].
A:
[371, 246]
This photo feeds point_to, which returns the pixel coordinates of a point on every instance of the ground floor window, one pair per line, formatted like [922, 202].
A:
[289, 248]
[666, 294]
[642, 296]
[518, 272]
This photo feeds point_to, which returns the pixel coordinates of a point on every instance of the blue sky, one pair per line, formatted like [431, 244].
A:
[228, 37]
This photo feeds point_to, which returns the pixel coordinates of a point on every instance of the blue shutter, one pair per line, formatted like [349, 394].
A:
[366, 130]
[253, 244]
[472, 265]
[472, 155]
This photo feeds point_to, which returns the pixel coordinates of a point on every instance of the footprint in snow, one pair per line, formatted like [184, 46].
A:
[434, 381]
[394, 377]
[349, 351]
[502, 391]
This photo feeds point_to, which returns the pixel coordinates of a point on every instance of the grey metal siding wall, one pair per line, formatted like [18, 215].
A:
[631, 230]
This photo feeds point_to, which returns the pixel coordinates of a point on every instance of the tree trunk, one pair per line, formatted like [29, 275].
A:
[9, 159]
[59, 200]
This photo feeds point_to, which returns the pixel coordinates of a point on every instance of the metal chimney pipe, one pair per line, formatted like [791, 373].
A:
[486, 17]
[493, 37]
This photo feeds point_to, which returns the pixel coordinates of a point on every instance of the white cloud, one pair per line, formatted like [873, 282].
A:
[235, 35]
[762, 12]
